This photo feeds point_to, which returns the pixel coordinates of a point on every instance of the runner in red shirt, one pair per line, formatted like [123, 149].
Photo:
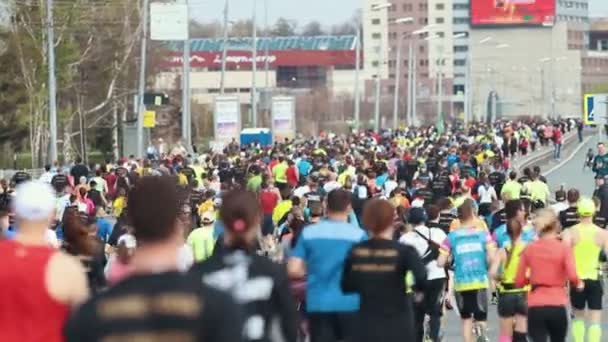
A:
[39, 283]
[268, 201]
[292, 174]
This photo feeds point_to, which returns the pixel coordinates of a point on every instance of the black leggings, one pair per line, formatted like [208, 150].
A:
[431, 305]
[547, 322]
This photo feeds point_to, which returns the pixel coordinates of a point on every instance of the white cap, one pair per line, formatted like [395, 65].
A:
[128, 240]
[35, 201]
[208, 217]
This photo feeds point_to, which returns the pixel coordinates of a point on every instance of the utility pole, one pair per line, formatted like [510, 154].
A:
[410, 84]
[186, 114]
[397, 82]
[142, 79]
[266, 49]
[377, 102]
[414, 89]
[224, 49]
[467, 91]
[357, 75]
[254, 68]
[52, 80]
[440, 87]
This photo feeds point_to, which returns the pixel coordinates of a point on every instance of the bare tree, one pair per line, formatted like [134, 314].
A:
[313, 28]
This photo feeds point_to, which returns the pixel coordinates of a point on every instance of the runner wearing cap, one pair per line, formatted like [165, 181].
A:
[587, 242]
[427, 241]
[201, 240]
[40, 285]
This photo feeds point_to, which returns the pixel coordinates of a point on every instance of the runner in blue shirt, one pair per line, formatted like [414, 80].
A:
[514, 209]
[319, 256]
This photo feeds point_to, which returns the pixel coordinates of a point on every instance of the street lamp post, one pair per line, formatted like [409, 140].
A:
[254, 68]
[224, 49]
[440, 63]
[357, 73]
[398, 73]
[379, 62]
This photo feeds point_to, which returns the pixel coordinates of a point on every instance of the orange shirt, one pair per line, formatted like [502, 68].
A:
[550, 264]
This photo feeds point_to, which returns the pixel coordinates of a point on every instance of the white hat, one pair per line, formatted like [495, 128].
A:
[35, 201]
[128, 240]
[208, 217]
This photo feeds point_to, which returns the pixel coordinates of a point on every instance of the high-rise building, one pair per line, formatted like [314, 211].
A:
[432, 52]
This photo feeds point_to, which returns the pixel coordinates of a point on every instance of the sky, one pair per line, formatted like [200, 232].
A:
[328, 12]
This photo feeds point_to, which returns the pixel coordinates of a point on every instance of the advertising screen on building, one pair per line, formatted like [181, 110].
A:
[512, 12]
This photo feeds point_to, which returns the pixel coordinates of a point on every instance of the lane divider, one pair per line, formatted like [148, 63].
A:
[565, 161]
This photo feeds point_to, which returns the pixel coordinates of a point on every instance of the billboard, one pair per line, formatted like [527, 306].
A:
[283, 117]
[168, 21]
[235, 59]
[595, 109]
[512, 12]
[227, 118]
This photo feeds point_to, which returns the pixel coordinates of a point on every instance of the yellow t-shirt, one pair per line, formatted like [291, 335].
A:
[281, 210]
[279, 173]
[119, 205]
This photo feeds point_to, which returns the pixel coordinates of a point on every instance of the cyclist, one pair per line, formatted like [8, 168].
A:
[471, 247]
[587, 241]
[512, 300]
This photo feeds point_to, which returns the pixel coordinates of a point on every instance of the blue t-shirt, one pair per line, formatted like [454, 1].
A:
[502, 238]
[324, 247]
[218, 228]
[104, 229]
[469, 248]
[304, 167]
[380, 180]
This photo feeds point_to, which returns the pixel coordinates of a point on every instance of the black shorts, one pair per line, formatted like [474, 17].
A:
[511, 304]
[473, 303]
[590, 297]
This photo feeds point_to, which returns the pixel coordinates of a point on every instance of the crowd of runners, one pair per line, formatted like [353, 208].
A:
[364, 237]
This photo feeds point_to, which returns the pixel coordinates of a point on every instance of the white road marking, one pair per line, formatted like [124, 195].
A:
[565, 161]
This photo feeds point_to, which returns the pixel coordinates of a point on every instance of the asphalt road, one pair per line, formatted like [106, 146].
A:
[569, 171]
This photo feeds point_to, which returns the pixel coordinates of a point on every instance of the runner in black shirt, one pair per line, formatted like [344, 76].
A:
[446, 215]
[497, 180]
[79, 170]
[156, 303]
[441, 185]
[386, 312]
[21, 177]
[569, 217]
[261, 286]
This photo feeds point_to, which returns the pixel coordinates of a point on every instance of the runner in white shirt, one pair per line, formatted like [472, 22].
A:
[427, 241]
[487, 195]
